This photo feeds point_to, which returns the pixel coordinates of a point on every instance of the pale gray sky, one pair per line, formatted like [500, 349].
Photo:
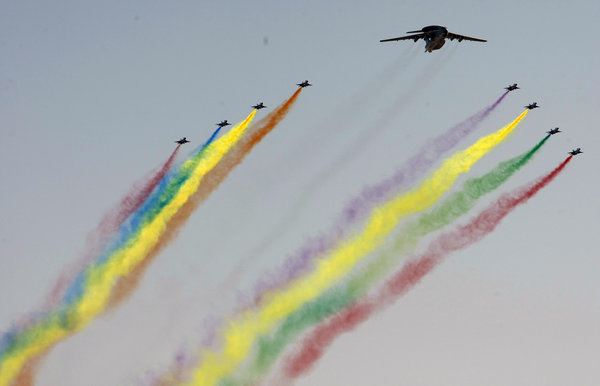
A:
[93, 95]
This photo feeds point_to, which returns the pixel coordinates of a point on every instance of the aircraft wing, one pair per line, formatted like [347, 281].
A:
[408, 37]
[453, 36]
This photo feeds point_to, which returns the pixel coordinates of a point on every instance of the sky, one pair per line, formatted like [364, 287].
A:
[93, 95]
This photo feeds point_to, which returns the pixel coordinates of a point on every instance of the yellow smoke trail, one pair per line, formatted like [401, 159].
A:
[101, 279]
[240, 334]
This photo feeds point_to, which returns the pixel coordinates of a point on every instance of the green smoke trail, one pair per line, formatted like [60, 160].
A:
[269, 347]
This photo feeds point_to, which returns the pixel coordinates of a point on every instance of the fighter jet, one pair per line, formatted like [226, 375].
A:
[435, 36]
[532, 106]
[576, 151]
[223, 123]
[553, 131]
[303, 84]
[511, 87]
[182, 141]
[259, 106]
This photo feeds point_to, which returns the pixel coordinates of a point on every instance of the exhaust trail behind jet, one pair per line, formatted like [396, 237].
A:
[126, 285]
[241, 332]
[361, 281]
[89, 294]
[316, 343]
[359, 207]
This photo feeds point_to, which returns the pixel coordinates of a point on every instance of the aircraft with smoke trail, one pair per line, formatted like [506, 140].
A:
[223, 123]
[359, 207]
[182, 141]
[115, 273]
[511, 87]
[532, 106]
[435, 37]
[553, 131]
[303, 84]
[259, 106]
[576, 151]
[91, 291]
[242, 331]
[271, 345]
[321, 337]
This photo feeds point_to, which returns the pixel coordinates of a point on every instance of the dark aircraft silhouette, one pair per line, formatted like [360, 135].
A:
[553, 131]
[576, 151]
[435, 36]
[303, 84]
[182, 141]
[259, 106]
[532, 106]
[511, 87]
[223, 123]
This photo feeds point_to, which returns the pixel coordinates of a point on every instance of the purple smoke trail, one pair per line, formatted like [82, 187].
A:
[370, 196]
[426, 156]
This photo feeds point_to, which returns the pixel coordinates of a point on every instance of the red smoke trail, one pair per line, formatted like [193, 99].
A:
[110, 224]
[314, 345]
[132, 201]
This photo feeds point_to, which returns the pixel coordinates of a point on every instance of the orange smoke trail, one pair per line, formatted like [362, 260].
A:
[211, 181]
[28, 373]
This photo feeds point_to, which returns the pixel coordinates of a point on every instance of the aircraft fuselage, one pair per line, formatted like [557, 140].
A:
[435, 43]
[435, 37]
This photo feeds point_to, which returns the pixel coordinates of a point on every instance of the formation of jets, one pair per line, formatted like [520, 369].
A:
[430, 34]
[257, 106]
[435, 37]
[532, 106]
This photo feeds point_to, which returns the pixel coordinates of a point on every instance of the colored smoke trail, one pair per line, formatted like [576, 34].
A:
[314, 345]
[359, 207]
[240, 334]
[92, 290]
[234, 157]
[209, 184]
[124, 286]
[387, 116]
[425, 157]
[158, 192]
[168, 188]
[110, 224]
[132, 201]
[270, 346]
[330, 138]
